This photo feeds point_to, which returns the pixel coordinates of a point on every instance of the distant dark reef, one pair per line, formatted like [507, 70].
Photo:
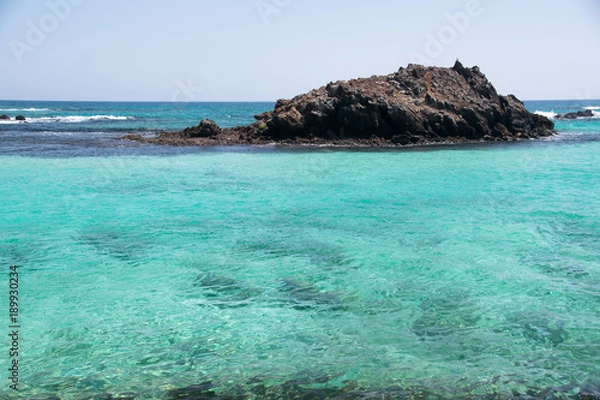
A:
[576, 115]
[415, 106]
[5, 117]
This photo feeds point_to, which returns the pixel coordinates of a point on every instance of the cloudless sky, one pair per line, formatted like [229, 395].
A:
[262, 50]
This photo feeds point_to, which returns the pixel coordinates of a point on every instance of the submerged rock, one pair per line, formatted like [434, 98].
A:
[225, 292]
[416, 105]
[197, 392]
[218, 283]
[306, 297]
[445, 316]
[484, 390]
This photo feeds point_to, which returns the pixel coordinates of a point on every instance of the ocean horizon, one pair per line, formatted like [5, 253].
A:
[164, 272]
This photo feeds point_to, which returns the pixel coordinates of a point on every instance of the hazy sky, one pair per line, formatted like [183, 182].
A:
[251, 50]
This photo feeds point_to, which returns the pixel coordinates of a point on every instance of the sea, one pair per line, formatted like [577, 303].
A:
[435, 272]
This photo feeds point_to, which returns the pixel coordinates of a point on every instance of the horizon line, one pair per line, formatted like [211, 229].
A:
[217, 101]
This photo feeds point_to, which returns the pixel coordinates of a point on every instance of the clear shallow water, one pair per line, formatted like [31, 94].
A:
[471, 269]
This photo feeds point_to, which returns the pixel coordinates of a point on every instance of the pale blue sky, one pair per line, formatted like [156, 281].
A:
[247, 50]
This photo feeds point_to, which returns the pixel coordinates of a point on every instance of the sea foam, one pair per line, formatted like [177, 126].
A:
[547, 114]
[78, 119]
[24, 109]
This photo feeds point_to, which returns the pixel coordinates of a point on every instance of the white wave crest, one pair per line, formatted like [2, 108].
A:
[23, 109]
[73, 119]
[592, 108]
[547, 114]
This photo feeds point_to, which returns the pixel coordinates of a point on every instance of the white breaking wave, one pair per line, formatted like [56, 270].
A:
[73, 119]
[24, 109]
[547, 114]
[592, 108]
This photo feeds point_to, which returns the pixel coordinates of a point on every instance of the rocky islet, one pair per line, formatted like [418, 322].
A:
[417, 105]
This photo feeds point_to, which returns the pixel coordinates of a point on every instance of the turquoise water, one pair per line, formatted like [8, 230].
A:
[74, 129]
[124, 116]
[466, 270]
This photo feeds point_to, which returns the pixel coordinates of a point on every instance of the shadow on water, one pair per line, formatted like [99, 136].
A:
[307, 297]
[319, 254]
[537, 329]
[226, 292]
[571, 242]
[116, 245]
[447, 315]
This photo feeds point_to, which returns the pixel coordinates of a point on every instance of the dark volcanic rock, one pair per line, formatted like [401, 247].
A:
[134, 136]
[4, 117]
[416, 105]
[575, 115]
[20, 118]
[206, 128]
